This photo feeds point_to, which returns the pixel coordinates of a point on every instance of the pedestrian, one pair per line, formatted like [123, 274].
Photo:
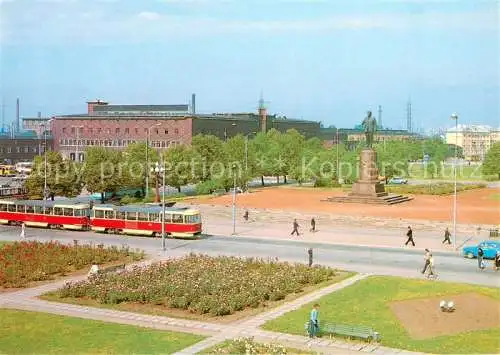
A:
[310, 253]
[409, 234]
[295, 227]
[431, 265]
[245, 216]
[447, 236]
[480, 261]
[427, 257]
[23, 231]
[313, 321]
[313, 225]
[496, 264]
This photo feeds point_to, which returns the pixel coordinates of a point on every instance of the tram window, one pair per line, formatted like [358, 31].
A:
[12, 208]
[131, 216]
[98, 214]
[154, 217]
[110, 214]
[193, 219]
[47, 210]
[142, 216]
[3, 207]
[68, 211]
[177, 218]
[168, 218]
[39, 209]
[81, 212]
[58, 211]
[120, 215]
[30, 209]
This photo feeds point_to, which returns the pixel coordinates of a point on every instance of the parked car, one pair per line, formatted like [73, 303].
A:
[490, 249]
[397, 180]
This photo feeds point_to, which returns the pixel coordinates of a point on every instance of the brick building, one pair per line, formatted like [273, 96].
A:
[117, 126]
[21, 147]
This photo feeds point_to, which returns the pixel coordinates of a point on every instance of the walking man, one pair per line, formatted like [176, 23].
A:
[447, 236]
[310, 253]
[313, 225]
[431, 265]
[409, 234]
[295, 228]
[23, 231]
[427, 258]
[313, 321]
[480, 261]
[245, 216]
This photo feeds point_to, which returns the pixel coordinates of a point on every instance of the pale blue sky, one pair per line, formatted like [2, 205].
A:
[328, 61]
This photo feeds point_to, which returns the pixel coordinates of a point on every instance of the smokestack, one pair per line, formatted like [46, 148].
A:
[17, 115]
[193, 104]
[39, 114]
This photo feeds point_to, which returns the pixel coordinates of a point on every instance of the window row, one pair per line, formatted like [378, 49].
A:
[117, 130]
[57, 211]
[19, 149]
[145, 216]
[114, 143]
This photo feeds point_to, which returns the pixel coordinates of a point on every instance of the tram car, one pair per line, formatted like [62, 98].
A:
[47, 214]
[7, 191]
[146, 220]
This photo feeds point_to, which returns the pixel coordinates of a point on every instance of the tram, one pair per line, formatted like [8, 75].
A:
[146, 220]
[7, 191]
[48, 214]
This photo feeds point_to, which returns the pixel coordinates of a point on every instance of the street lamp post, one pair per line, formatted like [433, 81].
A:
[455, 117]
[44, 125]
[160, 169]
[147, 158]
[234, 198]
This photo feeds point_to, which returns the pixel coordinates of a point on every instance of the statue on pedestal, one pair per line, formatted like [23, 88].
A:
[370, 126]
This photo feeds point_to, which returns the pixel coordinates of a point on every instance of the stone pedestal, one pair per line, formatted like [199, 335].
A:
[368, 184]
[368, 189]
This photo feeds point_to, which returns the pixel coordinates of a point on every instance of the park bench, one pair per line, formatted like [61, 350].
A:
[349, 331]
[112, 269]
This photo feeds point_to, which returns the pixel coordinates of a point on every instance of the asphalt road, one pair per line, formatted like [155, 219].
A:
[383, 261]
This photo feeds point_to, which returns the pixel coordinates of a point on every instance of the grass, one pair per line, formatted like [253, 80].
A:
[432, 189]
[365, 303]
[40, 333]
[235, 347]
[416, 171]
[161, 310]
[2, 243]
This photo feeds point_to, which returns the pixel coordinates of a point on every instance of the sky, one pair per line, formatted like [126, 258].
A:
[327, 61]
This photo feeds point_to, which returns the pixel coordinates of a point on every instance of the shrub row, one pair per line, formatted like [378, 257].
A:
[432, 189]
[201, 284]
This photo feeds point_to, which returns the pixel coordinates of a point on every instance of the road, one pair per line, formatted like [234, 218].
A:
[384, 261]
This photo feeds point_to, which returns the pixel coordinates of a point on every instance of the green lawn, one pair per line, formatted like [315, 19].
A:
[31, 332]
[417, 171]
[365, 303]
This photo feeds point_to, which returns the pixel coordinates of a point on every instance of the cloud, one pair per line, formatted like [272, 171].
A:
[77, 23]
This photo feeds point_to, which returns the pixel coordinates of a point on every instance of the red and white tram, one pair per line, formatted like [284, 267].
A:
[146, 220]
[52, 214]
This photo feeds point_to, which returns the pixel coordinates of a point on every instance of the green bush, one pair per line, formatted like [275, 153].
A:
[432, 189]
[126, 200]
[216, 286]
[326, 182]
[208, 187]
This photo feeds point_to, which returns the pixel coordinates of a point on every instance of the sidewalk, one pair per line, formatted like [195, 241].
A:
[335, 235]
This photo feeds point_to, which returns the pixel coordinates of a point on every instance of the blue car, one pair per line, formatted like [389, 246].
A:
[490, 249]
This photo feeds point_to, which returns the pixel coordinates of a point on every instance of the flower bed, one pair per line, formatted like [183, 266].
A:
[201, 284]
[432, 188]
[25, 262]
[249, 346]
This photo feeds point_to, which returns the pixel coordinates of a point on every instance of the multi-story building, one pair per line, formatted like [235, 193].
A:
[39, 125]
[351, 137]
[23, 146]
[163, 126]
[475, 140]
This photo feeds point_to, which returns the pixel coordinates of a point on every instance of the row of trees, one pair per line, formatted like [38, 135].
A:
[214, 164]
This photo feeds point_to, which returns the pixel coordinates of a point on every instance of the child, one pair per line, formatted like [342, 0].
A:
[313, 321]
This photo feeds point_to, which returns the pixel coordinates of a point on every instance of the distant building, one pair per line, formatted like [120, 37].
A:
[163, 126]
[352, 137]
[22, 146]
[37, 124]
[475, 140]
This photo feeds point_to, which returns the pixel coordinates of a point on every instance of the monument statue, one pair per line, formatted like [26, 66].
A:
[370, 126]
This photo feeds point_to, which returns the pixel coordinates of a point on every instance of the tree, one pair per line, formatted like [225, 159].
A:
[135, 163]
[181, 166]
[260, 147]
[212, 155]
[292, 146]
[62, 177]
[103, 170]
[491, 165]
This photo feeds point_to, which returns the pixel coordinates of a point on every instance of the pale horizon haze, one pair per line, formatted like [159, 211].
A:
[328, 61]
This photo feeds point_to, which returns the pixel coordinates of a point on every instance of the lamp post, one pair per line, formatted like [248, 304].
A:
[234, 198]
[147, 158]
[455, 117]
[77, 145]
[44, 125]
[160, 169]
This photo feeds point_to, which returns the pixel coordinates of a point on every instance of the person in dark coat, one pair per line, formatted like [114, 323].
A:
[245, 216]
[313, 225]
[310, 253]
[480, 255]
[409, 234]
[447, 235]
[295, 228]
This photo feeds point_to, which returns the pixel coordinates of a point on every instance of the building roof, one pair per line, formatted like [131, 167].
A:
[36, 118]
[472, 128]
[106, 109]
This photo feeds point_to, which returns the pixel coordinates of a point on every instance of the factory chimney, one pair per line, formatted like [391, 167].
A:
[193, 104]
[17, 116]
[262, 115]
